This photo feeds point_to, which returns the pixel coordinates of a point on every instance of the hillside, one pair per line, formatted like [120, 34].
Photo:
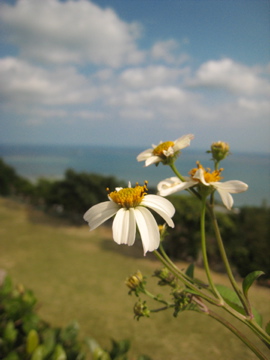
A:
[78, 275]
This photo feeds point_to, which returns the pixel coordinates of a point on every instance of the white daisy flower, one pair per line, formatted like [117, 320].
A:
[165, 151]
[129, 207]
[202, 176]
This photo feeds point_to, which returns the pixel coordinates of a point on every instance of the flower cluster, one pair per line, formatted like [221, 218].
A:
[129, 205]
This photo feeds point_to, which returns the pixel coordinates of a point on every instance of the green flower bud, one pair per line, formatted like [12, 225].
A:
[165, 276]
[140, 309]
[219, 150]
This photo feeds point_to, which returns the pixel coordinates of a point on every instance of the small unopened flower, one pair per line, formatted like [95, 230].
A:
[134, 281]
[140, 309]
[165, 152]
[129, 205]
[202, 176]
[219, 150]
[165, 276]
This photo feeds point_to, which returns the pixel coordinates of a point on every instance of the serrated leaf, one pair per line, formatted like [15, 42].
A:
[267, 328]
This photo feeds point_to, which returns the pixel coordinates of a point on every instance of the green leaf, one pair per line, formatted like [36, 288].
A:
[69, 334]
[249, 279]
[119, 348]
[32, 341]
[59, 353]
[49, 341]
[144, 357]
[7, 286]
[38, 354]
[10, 332]
[12, 356]
[190, 271]
[267, 328]
[232, 299]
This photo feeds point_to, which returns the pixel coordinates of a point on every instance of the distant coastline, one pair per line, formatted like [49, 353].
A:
[51, 161]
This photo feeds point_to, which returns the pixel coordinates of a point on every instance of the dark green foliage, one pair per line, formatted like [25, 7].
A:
[252, 244]
[11, 183]
[24, 336]
[79, 191]
[184, 240]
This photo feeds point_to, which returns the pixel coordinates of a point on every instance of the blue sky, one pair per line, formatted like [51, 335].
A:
[133, 73]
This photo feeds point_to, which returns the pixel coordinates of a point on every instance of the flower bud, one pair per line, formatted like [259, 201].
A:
[166, 277]
[134, 281]
[220, 150]
[140, 309]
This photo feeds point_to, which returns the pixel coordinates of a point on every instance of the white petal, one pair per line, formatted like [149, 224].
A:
[232, 186]
[225, 188]
[145, 155]
[169, 152]
[172, 185]
[124, 227]
[148, 229]
[132, 227]
[199, 174]
[99, 213]
[152, 160]
[164, 208]
[182, 142]
[226, 198]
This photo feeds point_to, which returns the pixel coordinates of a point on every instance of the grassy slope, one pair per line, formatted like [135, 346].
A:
[78, 275]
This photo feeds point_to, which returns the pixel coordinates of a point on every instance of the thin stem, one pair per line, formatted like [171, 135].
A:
[166, 257]
[236, 332]
[188, 283]
[240, 295]
[204, 252]
[177, 173]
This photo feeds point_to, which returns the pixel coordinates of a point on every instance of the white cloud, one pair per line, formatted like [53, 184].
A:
[151, 76]
[231, 76]
[70, 32]
[24, 83]
[54, 78]
[167, 51]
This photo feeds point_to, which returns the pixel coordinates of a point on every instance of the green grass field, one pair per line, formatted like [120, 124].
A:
[78, 275]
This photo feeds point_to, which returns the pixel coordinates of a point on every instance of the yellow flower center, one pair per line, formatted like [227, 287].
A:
[213, 176]
[158, 150]
[129, 197]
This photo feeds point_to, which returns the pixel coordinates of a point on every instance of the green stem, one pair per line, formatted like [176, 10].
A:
[223, 254]
[204, 252]
[236, 332]
[185, 281]
[154, 297]
[166, 257]
[177, 173]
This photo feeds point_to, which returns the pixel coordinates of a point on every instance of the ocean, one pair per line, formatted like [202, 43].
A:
[36, 161]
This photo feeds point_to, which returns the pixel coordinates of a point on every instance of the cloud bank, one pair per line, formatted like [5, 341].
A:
[75, 65]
